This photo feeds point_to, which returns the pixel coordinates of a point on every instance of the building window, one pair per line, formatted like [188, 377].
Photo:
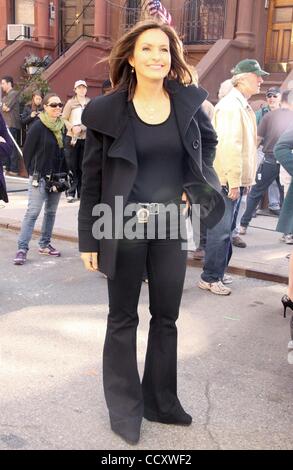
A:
[24, 12]
[203, 21]
[132, 12]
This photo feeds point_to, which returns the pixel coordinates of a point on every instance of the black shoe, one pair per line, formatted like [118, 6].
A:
[179, 417]
[237, 241]
[128, 430]
[287, 302]
[199, 254]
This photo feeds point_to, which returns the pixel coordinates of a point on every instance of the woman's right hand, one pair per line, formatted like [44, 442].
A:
[90, 261]
[76, 130]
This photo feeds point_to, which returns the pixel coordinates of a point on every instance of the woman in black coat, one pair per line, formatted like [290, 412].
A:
[148, 145]
[6, 147]
[44, 160]
[283, 153]
[32, 110]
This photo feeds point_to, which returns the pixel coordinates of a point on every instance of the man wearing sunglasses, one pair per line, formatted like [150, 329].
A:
[273, 97]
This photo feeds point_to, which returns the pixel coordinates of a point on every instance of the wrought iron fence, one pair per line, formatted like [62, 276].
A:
[203, 21]
[132, 12]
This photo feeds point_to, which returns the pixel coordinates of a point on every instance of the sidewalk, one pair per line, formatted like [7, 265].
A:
[264, 258]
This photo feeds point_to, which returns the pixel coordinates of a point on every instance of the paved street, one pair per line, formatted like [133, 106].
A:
[233, 375]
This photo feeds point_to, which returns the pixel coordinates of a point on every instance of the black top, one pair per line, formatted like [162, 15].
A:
[271, 127]
[41, 152]
[25, 116]
[160, 160]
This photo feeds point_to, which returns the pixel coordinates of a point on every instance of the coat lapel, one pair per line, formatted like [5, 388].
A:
[116, 125]
[124, 145]
[186, 100]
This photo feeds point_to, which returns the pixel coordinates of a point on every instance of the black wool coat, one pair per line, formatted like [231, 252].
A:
[25, 117]
[110, 162]
[41, 152]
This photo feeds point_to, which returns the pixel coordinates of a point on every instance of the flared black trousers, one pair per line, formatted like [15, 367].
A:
[126, 395]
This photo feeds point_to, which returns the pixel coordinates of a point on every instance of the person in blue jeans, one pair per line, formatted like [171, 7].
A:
[44, 160]
[235, 164]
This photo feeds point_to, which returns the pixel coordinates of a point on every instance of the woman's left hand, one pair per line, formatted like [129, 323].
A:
[185, 199]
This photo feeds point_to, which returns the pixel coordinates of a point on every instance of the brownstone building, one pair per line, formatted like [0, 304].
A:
[78, 33]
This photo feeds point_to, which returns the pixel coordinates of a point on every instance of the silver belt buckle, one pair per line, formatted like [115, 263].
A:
[143, 215]
[154, 208]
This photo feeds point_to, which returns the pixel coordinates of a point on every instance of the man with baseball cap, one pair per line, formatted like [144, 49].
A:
[76, 134]
[235, 164]
[273, 98]
[270, 129]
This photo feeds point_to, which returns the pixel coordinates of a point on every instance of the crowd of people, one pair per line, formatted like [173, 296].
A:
[153, 139]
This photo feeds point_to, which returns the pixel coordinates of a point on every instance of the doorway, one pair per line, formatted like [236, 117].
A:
[76, 19]
[279, 44]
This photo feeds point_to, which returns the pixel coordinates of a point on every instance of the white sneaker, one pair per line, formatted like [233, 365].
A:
[217, 288]
[242, 230]
[289, 239]
[227, 279]
[69, 199]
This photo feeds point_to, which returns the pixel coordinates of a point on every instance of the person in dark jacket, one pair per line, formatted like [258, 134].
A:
[283, 154]
[44, 160]
[32, 110]
[148, 144]
[6, 147]
[10, 112]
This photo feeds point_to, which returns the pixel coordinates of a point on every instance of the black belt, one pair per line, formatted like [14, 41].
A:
[145, 209]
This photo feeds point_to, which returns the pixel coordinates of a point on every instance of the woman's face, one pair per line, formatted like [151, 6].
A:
[53, 108]
[151, 58]
[81, 91]
[37, 100]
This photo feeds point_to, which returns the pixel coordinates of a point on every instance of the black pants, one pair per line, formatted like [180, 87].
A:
[125, 395]
[269, 172]
[11, 162]
[74, 157]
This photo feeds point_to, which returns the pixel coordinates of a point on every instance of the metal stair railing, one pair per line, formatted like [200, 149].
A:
[14, 40]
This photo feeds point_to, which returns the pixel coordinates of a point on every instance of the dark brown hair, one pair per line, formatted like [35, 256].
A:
[48, 96]
[121, 74]
[33, 105]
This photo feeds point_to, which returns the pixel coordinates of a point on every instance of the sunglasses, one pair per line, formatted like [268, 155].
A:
[272, 96]
[55, 105]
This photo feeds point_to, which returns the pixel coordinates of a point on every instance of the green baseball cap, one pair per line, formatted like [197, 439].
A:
[249, 66]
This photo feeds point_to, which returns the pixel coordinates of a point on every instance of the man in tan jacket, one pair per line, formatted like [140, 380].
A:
[235, 164]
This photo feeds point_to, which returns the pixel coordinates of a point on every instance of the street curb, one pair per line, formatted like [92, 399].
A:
[244, 272]
[16, 226]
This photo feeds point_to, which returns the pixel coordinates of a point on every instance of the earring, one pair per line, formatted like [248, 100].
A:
[132, 69]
